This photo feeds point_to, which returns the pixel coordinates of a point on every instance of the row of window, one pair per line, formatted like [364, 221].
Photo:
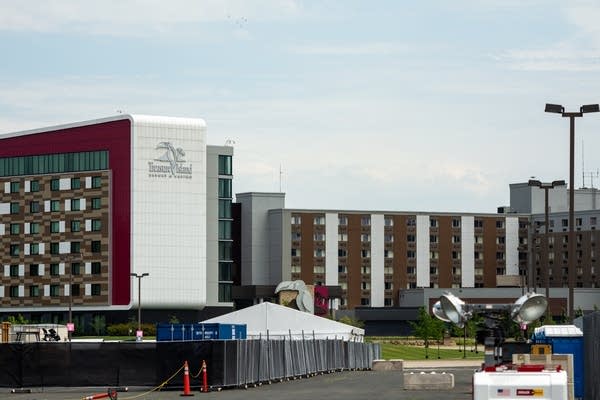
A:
[389, 238]
[15, 270]
[54, 163]
[55, 184]
[55, 248]
[93, 289]
[388, 221]
[365, 253]
[95, 225]
[54, 205]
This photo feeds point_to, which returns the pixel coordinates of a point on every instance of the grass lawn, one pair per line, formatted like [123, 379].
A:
[397, 351]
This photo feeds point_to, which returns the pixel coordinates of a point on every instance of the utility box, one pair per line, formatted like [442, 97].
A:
[547, 385]
[565, 339]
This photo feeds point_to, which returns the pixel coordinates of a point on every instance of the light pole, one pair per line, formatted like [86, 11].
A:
[138, 335]
[559, 109]
[546, 187]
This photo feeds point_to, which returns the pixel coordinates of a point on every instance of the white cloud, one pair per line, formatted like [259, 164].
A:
[357, 49]
[558, 58]
[579, 51]
[135, 17]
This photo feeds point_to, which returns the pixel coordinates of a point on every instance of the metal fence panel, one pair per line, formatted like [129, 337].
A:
[591, 358]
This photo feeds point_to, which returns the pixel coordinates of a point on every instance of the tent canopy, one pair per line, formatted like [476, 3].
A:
[277, 322]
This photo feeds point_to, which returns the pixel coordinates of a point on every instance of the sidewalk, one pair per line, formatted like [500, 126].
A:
[461, 363]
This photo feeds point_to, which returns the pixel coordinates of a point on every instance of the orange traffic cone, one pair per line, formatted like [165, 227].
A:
[204, 377]
[186, 381]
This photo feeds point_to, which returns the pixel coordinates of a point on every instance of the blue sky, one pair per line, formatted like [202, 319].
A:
[383, 105]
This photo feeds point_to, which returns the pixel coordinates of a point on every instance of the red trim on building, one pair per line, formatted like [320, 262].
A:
[114, 136]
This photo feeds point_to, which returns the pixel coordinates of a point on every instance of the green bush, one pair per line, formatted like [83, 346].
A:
[129, 329]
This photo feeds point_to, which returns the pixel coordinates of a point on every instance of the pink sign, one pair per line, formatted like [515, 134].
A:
[70, 327]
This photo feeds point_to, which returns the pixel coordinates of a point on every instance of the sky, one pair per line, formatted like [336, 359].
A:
[342, 104]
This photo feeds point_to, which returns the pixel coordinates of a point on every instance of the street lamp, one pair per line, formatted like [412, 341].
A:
[68, 261]
[559, 109]
[546, 186]
[138, 335]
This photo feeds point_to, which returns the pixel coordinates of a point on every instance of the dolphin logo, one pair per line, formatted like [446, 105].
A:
[172, 155]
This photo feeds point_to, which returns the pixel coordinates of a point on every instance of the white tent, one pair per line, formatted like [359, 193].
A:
[277, 322]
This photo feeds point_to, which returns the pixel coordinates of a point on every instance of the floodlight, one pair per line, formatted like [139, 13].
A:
[454, 308]
[588, 108]
[528, 308]
[554, 108]
[438, 312]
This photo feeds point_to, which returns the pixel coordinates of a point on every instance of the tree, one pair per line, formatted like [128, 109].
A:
[352, 321]
[427, 327]
[18, 320]
[98, 324]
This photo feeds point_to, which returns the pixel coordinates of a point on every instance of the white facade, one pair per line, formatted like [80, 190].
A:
[168, 211]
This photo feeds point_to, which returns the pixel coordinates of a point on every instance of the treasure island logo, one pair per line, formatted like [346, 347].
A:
[171, 164]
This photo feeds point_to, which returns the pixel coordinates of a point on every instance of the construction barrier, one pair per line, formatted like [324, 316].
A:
[231, 362]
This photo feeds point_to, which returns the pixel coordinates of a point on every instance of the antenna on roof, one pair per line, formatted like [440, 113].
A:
[280, 174]
[229, 142]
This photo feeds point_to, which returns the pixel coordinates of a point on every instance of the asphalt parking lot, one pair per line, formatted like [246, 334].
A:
[346, 385]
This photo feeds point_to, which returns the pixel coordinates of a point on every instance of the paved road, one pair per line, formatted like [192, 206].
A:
[347, 385]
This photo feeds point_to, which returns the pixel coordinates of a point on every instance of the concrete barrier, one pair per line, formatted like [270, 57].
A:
[431, 381]
[388, 365]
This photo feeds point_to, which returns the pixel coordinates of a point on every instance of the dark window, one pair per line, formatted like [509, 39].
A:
[34, 186]
[75, 225]
[55, 184]
[75, 247]
[96, 268]
[75, 183]
[96, 181]
[34, 207]
[75, 269]
[14, 291]
[224, 229]
[225, 165]
[96, 225]
[54, 226]
[54, 205]
[54, 248]
[54, 269]
[34, 291]
[34, 227]
[15, 250]
[14, 187]
[54, 163]
[225, 292]
[96, 289]
[34, 248]
[224, 188]
[225, 271]
[54, 290]
[15, 229]
[225, 251]
[96, 203]
[96, 246]
[14, 270]
[15, 208]
[34, 270]
[75, 289]
[224, 208]
[75, 205]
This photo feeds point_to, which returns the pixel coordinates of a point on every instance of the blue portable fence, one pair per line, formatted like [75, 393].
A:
[198, 331]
